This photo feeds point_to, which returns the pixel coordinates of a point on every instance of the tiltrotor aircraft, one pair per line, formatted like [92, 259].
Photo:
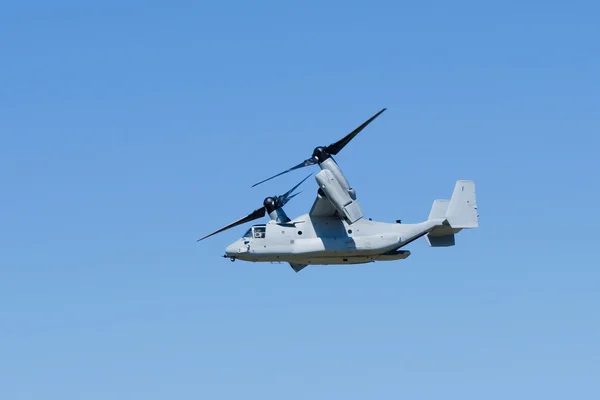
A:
[334, 230]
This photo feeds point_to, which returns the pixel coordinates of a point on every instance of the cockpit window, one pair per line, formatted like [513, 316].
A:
[248, 233]
[259, 232]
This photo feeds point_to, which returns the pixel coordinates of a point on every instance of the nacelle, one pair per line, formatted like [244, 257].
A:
[339, 196]
[274, 207]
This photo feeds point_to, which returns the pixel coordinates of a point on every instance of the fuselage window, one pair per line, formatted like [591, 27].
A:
[259, 232]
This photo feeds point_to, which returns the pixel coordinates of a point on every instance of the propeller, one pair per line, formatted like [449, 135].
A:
[270, 204]
[322, 153]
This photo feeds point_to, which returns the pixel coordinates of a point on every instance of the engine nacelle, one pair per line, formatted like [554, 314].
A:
[274, 207]
[332, 166]
[339, 196]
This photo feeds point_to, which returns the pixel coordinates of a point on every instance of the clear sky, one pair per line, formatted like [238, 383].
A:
[129, 129]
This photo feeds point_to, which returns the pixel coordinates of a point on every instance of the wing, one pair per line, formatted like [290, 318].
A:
[322, 208]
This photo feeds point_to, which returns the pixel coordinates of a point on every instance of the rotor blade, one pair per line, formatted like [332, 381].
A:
[336, 147]
[305, 163]
[258, 213]
[291, 197]
[286, 194]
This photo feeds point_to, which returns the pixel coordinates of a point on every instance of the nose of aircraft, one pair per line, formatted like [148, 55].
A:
[233, 249]
[230, 250]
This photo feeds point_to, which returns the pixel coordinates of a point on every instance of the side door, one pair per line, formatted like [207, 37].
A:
[257, 241]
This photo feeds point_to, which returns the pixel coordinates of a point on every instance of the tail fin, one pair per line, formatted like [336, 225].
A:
[462, 209]
[440, 236]
[460, 212]
[438, 210]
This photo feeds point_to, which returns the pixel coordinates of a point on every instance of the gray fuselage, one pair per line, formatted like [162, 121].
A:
[311, 240]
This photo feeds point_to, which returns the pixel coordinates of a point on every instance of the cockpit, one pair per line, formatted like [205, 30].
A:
[256, 232]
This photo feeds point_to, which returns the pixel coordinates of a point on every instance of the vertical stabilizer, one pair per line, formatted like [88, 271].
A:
[462, 209]
[438, 210]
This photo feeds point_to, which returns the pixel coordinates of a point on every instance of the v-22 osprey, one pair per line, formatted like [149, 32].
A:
[334, 230]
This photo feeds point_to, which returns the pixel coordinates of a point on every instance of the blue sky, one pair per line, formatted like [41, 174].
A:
[129, 129]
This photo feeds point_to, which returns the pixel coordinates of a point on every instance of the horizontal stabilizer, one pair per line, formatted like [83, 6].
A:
[440, 241]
